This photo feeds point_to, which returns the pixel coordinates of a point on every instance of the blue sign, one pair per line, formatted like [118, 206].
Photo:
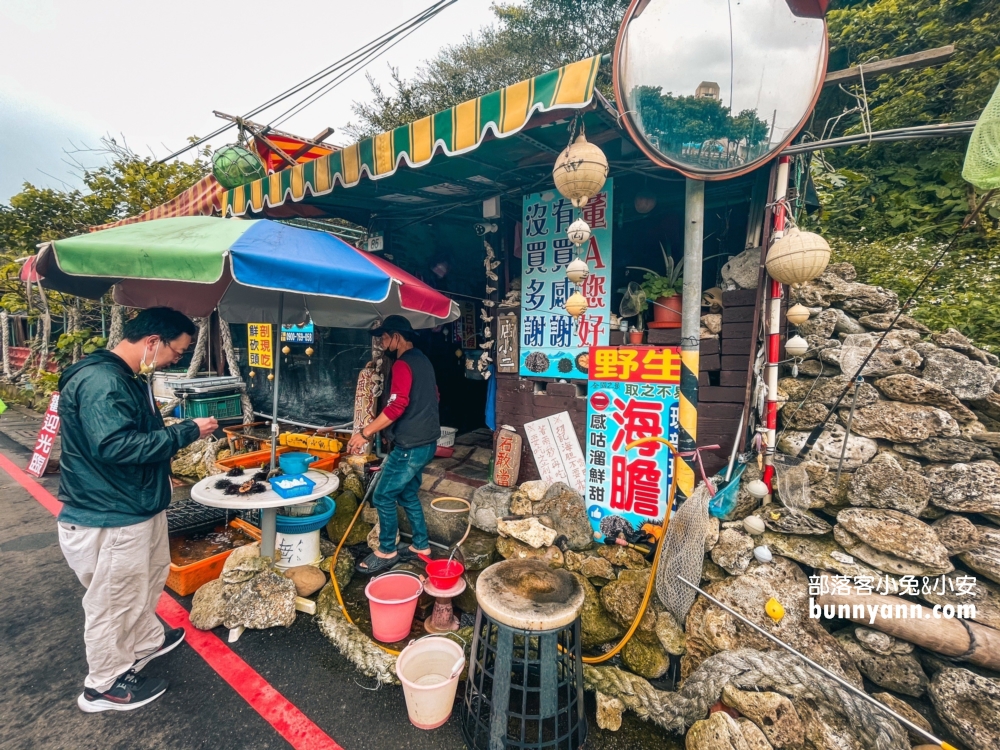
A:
[553, 344]
[304, 334]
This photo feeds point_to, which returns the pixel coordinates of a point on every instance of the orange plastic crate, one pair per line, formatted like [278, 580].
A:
[186, 579]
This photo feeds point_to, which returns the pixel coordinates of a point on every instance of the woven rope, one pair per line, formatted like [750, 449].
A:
[746, 669]
[117, 330]
[5, 343]
[229, 352]
[357, 647]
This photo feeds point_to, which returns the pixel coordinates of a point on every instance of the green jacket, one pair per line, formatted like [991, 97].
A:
[116, 451]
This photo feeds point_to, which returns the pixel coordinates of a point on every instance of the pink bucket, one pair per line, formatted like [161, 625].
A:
[393, 601]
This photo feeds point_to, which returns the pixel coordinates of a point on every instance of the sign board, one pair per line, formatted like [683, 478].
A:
[465, 326]
[553, 344]
[46, 439]
[633, 393]
[507, 340]
[260, 345]
[556, 450]
[303, 334]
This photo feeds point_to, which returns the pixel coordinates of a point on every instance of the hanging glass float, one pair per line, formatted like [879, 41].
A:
[580, 171]
[797, 257]
[234, 165]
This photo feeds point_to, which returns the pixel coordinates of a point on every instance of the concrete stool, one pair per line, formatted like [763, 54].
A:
[525, 686]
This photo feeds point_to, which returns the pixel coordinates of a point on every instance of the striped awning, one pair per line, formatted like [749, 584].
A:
[452, 132]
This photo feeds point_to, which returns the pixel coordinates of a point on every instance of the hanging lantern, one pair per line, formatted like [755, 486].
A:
[797, 257]
[796, 346]
[578, 232]
[580, 171]
[309, 353]
[577, 271]
[253, 376]
[576, 305]
[644, 202]
[797, 314]
[234, 165]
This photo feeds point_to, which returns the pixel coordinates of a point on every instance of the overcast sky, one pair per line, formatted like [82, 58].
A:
[72, 70]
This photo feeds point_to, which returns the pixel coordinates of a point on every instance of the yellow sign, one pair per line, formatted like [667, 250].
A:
[260, 345]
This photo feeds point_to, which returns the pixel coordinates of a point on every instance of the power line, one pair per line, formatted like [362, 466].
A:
[373, 47]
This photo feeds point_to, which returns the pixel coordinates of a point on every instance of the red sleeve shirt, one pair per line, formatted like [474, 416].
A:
[399, 392]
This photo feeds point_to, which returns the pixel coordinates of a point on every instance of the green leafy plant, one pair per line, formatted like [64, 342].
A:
[83, 338]
[667, 284]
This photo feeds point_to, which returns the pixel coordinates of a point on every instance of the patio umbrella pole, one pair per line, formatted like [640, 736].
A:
[269, 516]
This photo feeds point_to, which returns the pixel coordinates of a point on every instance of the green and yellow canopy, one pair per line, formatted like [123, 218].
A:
[454, 131]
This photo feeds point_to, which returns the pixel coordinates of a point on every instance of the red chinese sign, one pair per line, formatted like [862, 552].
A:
[633, 393]
[46, 439]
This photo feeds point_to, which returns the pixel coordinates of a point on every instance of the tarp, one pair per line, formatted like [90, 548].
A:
[204, 198]
[454, 131]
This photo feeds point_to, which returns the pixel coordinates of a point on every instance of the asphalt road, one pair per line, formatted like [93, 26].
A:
[42, 666]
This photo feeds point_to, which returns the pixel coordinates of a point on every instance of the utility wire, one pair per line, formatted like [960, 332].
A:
[328, 87]
[818, 430]
[376, 45]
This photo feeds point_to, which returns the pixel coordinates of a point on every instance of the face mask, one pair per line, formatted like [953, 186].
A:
[148, 369]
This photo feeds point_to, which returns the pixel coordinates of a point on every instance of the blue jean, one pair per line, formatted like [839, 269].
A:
[399, 484]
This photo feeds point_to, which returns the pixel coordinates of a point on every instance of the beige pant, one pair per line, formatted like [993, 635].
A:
[124, 569]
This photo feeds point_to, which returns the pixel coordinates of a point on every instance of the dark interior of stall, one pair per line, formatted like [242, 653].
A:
[446, 251]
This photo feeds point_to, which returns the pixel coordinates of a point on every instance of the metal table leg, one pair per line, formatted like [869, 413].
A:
[268, 531]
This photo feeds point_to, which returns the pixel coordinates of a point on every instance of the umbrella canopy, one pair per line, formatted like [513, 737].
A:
[197, 263]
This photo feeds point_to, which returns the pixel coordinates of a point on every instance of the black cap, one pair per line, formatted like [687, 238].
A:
[395, 324]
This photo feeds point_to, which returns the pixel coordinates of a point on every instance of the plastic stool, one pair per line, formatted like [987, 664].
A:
[525, 686]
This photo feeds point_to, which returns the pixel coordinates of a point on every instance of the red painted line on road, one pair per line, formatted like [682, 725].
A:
[288, 721]
[34, 489]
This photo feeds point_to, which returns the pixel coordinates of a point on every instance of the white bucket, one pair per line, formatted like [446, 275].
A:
[297, 549]
[429, 669]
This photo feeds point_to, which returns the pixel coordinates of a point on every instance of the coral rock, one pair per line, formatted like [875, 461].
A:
[880, 364]
[670, 634]
[913, 390]
[860, 450]
[882, 321]
[718, 732]
[985, 558]
[957, 533]
[596, 627]
[899, 672]
[266, 601]
[733, 551]
[528, 530]
[609, 712]
[512, 549]
[966, 379]
[945, 450]
[566, 508]
[752, 734]
[208, 606]
[969, 705]
[966, 488]
[773, 713]
[490, 502]
[896, 534]
[646, 659]
[901, 423]
[884, 483]
[907, 711]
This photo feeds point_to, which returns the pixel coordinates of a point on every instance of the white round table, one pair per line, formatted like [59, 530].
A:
[268, 502]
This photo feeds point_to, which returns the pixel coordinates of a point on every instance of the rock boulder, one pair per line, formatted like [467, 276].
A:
[913, 390]
[566, 508]
[969, 705]
[900, 422]
[893, 534]
[985, 558]
[860, 450]
[490, 502]
[885, 484]
[266, 601]
[968, 380]
[966, 487]
[773, 714]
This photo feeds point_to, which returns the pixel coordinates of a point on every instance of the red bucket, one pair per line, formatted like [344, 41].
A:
[392, 599]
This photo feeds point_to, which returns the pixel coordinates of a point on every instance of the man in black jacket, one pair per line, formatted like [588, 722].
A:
[115, 487]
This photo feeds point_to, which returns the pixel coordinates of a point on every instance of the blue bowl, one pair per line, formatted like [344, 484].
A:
[295, 463]
[305, 524]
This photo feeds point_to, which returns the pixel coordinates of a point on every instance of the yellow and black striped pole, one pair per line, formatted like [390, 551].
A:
[694, 230]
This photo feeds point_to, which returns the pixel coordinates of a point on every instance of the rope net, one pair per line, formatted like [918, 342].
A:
[982, 159]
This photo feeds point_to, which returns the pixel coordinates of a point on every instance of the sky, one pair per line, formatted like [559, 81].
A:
[152, 73]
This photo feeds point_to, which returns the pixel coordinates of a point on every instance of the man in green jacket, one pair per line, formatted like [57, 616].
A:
[115, 487]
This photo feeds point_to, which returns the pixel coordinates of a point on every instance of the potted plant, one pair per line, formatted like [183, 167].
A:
[664, 290]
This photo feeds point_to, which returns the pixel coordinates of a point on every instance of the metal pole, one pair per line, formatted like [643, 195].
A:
[836, 678]
[775, 293]
[269, 516]
[694, 233]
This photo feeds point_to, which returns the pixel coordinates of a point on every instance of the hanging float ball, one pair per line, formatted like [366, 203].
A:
[286, 350]
[253, 374]
[580, 171]
[757, 489]
[578, 232]
[270, 376]
[234, 166]
[577, 271]
[796, 346]
[797, 257]
[576, 305]
[309, 351]
[797, 314]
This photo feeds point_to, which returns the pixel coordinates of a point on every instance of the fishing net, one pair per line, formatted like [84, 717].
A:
[683, 554]
[792, 482]
[982, 159]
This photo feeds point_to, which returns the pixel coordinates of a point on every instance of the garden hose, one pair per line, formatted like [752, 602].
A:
[656, 557]
[586, 659]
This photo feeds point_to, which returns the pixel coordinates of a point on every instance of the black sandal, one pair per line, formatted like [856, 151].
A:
[375, 564]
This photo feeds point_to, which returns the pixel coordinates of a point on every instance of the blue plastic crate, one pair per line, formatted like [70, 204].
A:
[289, 492]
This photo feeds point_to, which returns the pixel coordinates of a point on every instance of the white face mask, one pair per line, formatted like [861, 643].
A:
[148, 369]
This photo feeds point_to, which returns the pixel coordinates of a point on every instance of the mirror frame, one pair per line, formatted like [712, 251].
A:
[685, 169]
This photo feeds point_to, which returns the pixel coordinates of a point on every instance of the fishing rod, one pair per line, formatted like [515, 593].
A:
[837, 678]
[814, 435]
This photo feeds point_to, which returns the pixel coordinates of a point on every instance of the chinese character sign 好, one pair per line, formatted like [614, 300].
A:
[632, 394]
[260, 349]
[552, 343]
